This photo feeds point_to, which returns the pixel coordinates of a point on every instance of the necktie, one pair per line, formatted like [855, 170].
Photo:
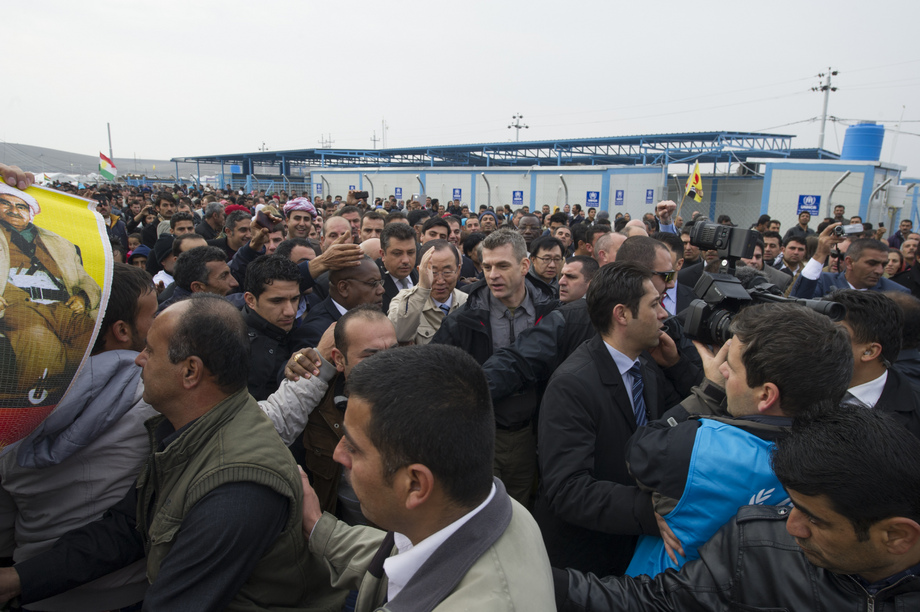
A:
[638, 401]
[444, 308]
[403, 283]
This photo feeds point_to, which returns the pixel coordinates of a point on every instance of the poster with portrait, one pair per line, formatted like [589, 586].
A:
[55, 274]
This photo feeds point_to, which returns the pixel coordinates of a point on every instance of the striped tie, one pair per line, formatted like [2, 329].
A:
[638, 401]
[444, 308]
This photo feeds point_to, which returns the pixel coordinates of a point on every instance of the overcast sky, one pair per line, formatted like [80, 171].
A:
[204, 77]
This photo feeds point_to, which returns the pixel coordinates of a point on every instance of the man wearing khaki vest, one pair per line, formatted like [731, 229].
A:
[217, 507]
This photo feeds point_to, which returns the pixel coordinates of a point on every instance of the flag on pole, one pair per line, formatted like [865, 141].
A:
[107, 168]
[694, 184]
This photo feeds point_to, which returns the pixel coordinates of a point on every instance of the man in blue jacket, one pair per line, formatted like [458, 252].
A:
[863, 268]
[701, 470]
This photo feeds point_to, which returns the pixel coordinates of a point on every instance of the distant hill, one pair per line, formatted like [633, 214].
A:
[41, 159]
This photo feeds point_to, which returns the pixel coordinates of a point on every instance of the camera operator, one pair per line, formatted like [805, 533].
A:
[863, 267]
[702, 469]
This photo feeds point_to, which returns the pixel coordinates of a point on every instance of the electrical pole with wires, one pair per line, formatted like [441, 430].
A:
[827, 89]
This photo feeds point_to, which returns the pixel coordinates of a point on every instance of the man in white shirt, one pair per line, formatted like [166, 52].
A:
[422, 470]
[875, 324]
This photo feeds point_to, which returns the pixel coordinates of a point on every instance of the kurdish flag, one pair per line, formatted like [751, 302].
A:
[107, 168]
[694, 184]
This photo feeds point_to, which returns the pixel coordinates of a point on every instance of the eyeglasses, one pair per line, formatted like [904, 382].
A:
[445, 274]
[547, 259]
[373, 283]
[667, 276]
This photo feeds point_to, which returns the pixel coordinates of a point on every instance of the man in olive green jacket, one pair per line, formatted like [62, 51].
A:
[217, 507]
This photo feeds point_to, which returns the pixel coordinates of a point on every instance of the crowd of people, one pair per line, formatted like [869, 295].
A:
[335, 404]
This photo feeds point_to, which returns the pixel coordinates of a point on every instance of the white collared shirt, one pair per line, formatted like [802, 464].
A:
[399, 282]
[670, 300]
[450, 300]
[342, 310]
[401, 567]
[623, 364]
[870, 392]
[813, 269]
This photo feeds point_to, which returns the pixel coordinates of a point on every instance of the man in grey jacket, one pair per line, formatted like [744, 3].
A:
[422, 469]
[85, 456]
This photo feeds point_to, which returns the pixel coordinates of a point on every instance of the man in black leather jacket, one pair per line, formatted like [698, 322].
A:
[852, 541]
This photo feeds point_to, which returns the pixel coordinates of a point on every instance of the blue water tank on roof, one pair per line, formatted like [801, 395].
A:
[863, 142]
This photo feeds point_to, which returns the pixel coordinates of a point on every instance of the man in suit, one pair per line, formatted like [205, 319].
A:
[678, 297]
[348, 287]
[875, 324]
[864, 265]
[397, 260]
[589, 507]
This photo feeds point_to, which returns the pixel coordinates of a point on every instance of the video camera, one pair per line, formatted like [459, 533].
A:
[722, 295]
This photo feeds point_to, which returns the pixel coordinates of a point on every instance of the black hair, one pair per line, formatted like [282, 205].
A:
[347, 210]
[192, 265]
[180, 216]
[233, 218]
[213, 330]
[589, 265]
[798, 239]
[910, 307]
[396, 231]
[873, 317]
[267, 269]
[863, 461]
[778, 338]
[772, 234]
[178, 240]
[372, 215]
[559, 217]
[435, 222]
[129, 283]
[395, 216]
[594, 231]
[640, 250]
[672, 241]
[615, 283]
[451, 432]
[284, 249]
[471, 242]
[546, 243]
[579, 233]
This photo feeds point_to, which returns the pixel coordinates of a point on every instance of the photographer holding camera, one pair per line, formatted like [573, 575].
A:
[702, 468]
[863, 267]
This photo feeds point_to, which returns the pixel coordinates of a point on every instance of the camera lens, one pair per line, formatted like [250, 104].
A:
[719, 326]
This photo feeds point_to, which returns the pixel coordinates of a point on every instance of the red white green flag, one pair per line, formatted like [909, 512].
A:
[107, 167]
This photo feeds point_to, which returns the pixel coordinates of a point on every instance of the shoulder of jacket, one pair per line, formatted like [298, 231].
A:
[748, 514]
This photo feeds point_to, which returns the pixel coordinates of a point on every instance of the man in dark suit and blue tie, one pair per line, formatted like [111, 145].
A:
[589, 508]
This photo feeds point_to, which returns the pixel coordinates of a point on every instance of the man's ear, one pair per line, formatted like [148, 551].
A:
[338, 359]
[193, 372]
[250, 300]
[418, 482]
[901, 534]
[121, 332]
[197, 286]
[768, 400]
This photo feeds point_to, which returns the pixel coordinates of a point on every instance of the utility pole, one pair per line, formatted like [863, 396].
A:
[374, 139]
[383, 132]
[325, 143]
[108, 126]
[517, 125]
[263, 148]
[827, 89]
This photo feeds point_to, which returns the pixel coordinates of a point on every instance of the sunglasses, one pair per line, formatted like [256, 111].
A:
[667, 276]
